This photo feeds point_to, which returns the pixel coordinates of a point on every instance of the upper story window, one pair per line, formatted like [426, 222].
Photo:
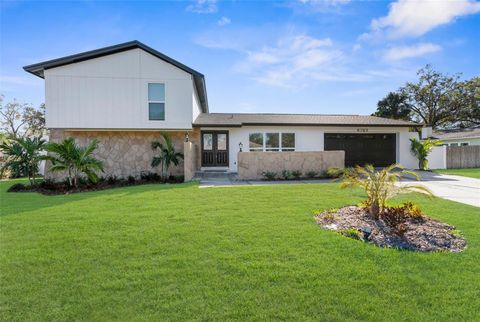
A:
[156, 101]
[272, 142]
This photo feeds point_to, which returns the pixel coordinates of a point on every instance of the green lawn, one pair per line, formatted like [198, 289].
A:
[158, 252]
[470, 172]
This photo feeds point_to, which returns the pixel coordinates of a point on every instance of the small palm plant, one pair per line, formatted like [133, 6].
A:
[421, 150]
[380, 185]
[70, 157]
[23, 156]
[168, 156]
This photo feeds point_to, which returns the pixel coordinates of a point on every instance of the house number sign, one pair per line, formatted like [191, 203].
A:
[362, 130]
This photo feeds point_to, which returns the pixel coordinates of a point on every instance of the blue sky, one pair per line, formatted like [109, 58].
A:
[333, 56]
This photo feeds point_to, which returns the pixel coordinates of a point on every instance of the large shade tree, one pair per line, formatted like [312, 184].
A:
[439, 100]
[394, 106]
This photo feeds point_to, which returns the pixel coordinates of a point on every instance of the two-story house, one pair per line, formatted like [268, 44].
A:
[125, 95]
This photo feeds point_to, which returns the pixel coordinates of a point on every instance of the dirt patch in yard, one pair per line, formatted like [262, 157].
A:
[420, 234]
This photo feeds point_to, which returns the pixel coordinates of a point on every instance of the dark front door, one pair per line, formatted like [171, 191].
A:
[360, 149]
[214, 149]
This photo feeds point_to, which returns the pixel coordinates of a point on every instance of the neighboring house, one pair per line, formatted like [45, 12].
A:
[124, 95]
[459, 137]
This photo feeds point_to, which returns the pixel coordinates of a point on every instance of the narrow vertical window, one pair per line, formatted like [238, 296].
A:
[272, 142]
[156, 102]
[288, 141]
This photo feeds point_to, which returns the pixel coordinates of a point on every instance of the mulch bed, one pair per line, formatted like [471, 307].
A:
[57, 188]
[423, 235]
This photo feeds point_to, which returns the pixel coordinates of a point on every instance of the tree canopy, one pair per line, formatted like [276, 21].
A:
[435, 99]
[21, 120]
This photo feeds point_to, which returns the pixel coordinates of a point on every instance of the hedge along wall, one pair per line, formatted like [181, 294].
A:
[252, 165]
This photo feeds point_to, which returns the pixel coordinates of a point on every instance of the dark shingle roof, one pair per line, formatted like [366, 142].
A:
[466, 133]
[239, 119]
[198, 78]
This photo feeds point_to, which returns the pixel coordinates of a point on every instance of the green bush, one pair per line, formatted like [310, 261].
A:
[350, 233]
[269, 175]
[296, 174]
[311, 174]
[287, 175]
[335, 173]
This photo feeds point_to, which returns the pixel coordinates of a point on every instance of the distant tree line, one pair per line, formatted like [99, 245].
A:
[435, 99]
[21, 120]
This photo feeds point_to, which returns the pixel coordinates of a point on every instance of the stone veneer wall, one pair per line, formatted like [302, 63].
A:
[252, 165]
[125, 153]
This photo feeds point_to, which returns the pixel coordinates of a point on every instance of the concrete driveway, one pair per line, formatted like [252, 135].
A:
[457, 188]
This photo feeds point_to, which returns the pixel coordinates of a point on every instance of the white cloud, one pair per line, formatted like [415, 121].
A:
[403, 52]
[224, 21]
[292, 62]
[415, 18]
[203, 6]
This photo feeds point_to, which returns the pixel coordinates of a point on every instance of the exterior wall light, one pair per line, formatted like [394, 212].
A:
[186, 137]
[240, 146]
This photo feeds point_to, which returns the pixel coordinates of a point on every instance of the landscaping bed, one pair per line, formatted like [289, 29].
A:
[49, 187]
[418, 232]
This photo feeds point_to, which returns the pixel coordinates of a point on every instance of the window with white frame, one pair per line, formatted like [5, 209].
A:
[256, 141]
[156, 101]
[464, 144]
[272, 141]
[288, 141]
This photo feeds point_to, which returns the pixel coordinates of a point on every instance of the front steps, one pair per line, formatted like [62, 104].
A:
[207, 176]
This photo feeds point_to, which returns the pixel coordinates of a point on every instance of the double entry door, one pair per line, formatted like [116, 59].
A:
[214, 149]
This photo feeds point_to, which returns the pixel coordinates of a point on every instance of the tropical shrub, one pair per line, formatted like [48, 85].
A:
[380, 185]
[70, 157]
[23, 156]
[335, 173]
[421, 150]
[397, 216]
[168, 156]
[269, 175]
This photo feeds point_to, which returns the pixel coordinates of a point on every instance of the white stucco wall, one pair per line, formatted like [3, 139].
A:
[437, 159]
[111, 92]
[196, 110]
[311, 138]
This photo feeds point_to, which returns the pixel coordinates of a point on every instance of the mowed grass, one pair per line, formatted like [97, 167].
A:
[159, 252]
[469, 172]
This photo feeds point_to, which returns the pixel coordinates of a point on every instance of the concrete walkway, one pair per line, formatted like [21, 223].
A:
[457, 188]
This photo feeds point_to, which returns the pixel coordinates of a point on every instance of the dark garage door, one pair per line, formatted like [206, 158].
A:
[360, 149]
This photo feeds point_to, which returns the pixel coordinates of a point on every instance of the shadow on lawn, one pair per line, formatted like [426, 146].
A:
[17, 202]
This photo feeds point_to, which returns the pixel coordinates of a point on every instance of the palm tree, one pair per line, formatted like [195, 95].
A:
[70, 157]
[167, 156]
[23, 156]
[421, 150]
[381, 185]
